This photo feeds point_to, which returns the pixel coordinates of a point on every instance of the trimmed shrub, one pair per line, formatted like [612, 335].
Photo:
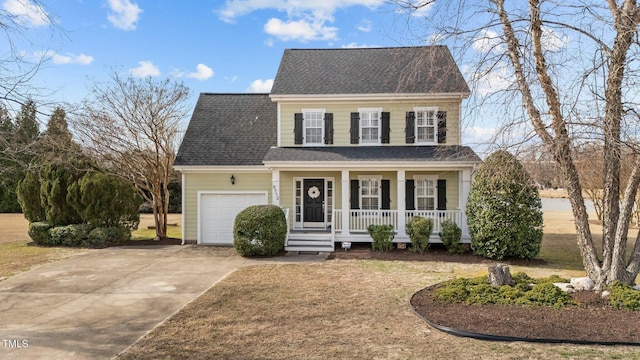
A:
[39, 233]
[28, 192]
[260, 230]
[419, 230]
[103, 236]
[70, 235]
[624, 297]
[504, 210]
[55, 180]
[547, 294]
[105, 201]
[382, 237]
[450, 236]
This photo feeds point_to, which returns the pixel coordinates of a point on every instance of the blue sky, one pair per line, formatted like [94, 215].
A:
[212, 46]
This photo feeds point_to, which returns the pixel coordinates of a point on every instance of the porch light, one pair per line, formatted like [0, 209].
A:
[233, 180]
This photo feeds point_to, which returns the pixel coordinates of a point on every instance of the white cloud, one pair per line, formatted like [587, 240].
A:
[357, 46]
[26, 13]
[124, 14]
[300, 30]
[145, 69]
[478, 135]
[305, 20]
[81, 59]
[203, 72]
[294, 8]
[261, 86]
[488, 41]
[364, 26]
[553, 41]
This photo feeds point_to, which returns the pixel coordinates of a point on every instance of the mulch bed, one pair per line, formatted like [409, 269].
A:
[165, 241]
[593, 320]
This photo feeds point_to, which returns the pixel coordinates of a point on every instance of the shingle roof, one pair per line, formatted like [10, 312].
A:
[409, 70]
[229, 129]
[438, 153]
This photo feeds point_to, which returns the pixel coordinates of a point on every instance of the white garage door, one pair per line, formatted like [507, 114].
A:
[218, 211]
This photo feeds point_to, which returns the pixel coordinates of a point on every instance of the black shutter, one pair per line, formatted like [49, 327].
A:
[328, 128]
[410, 129]
[409, 192]
[355, 194]
[355, 128]
[442, 127]
[385, 191]
[442, 195]
[298, 126]
[386, 128]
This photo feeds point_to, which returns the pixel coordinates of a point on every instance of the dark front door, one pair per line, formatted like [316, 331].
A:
[313, 202]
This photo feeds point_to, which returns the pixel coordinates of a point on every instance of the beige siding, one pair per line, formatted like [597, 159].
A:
[342, 115]
[195, 182]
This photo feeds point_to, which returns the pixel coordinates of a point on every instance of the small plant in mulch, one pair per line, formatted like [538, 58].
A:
[419, 230]
[478, 291]
[382, 237]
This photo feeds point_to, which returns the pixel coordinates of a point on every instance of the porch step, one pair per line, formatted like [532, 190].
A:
[312, 243]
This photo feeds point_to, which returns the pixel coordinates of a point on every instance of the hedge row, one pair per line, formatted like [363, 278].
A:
[77, 235]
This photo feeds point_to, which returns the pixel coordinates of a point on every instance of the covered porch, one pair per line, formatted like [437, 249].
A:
[330, 200]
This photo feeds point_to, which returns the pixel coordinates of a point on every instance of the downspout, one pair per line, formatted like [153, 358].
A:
[183, 206]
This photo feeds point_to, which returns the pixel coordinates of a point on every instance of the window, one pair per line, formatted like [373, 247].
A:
[425, 189]
[370, 193]
[370, 126]
[313, 126]
[426, 122]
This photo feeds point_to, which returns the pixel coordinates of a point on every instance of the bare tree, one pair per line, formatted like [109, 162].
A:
[571, 66]
[133, 125]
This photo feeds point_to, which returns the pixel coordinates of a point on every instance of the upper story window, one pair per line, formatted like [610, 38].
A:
[426, 125]
[313, 126]
[370, 126]
[426, 122]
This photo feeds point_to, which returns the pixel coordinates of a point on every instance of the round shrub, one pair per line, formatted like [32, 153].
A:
[382, 237]
[504, 211]
[39, 233]
[419, 230]
[70, 235]
[103, 236]
[260, 230]
[28, 192]
[450, 236]
[624, 297]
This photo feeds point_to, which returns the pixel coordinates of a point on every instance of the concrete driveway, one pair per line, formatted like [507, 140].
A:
[96, 305]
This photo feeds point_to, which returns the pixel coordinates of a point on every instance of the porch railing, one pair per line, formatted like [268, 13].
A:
[437, 216]
[359, 220]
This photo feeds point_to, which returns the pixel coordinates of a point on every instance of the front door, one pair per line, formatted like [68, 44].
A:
[313, 203]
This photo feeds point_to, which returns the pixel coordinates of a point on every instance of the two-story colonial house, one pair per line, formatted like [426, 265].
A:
[346, 138]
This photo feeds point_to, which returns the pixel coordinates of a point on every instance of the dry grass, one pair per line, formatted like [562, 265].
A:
[146, 220]
[341, 309]
[349, 309]
[16, 256]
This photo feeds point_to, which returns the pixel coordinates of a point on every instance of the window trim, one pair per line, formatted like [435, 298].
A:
[370, 110]
[416, 110]
[378, 178]
[304, 127]
[416, 179]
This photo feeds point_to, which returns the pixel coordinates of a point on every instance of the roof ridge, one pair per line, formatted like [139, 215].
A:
[231, 93]
[373, 47]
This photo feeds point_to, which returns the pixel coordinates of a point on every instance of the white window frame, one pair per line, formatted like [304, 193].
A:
[379, 127]
[305, 126]
[298, 199]
[417, 179]
[417, 110]
[377, 178]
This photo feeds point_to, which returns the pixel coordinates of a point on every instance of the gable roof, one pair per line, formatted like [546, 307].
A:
[229, 129]
[402, 70]
[439, 153]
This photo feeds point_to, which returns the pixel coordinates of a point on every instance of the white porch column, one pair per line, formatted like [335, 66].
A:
[275, 187]
[346, 188]
[401, 203]
[465, 189]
